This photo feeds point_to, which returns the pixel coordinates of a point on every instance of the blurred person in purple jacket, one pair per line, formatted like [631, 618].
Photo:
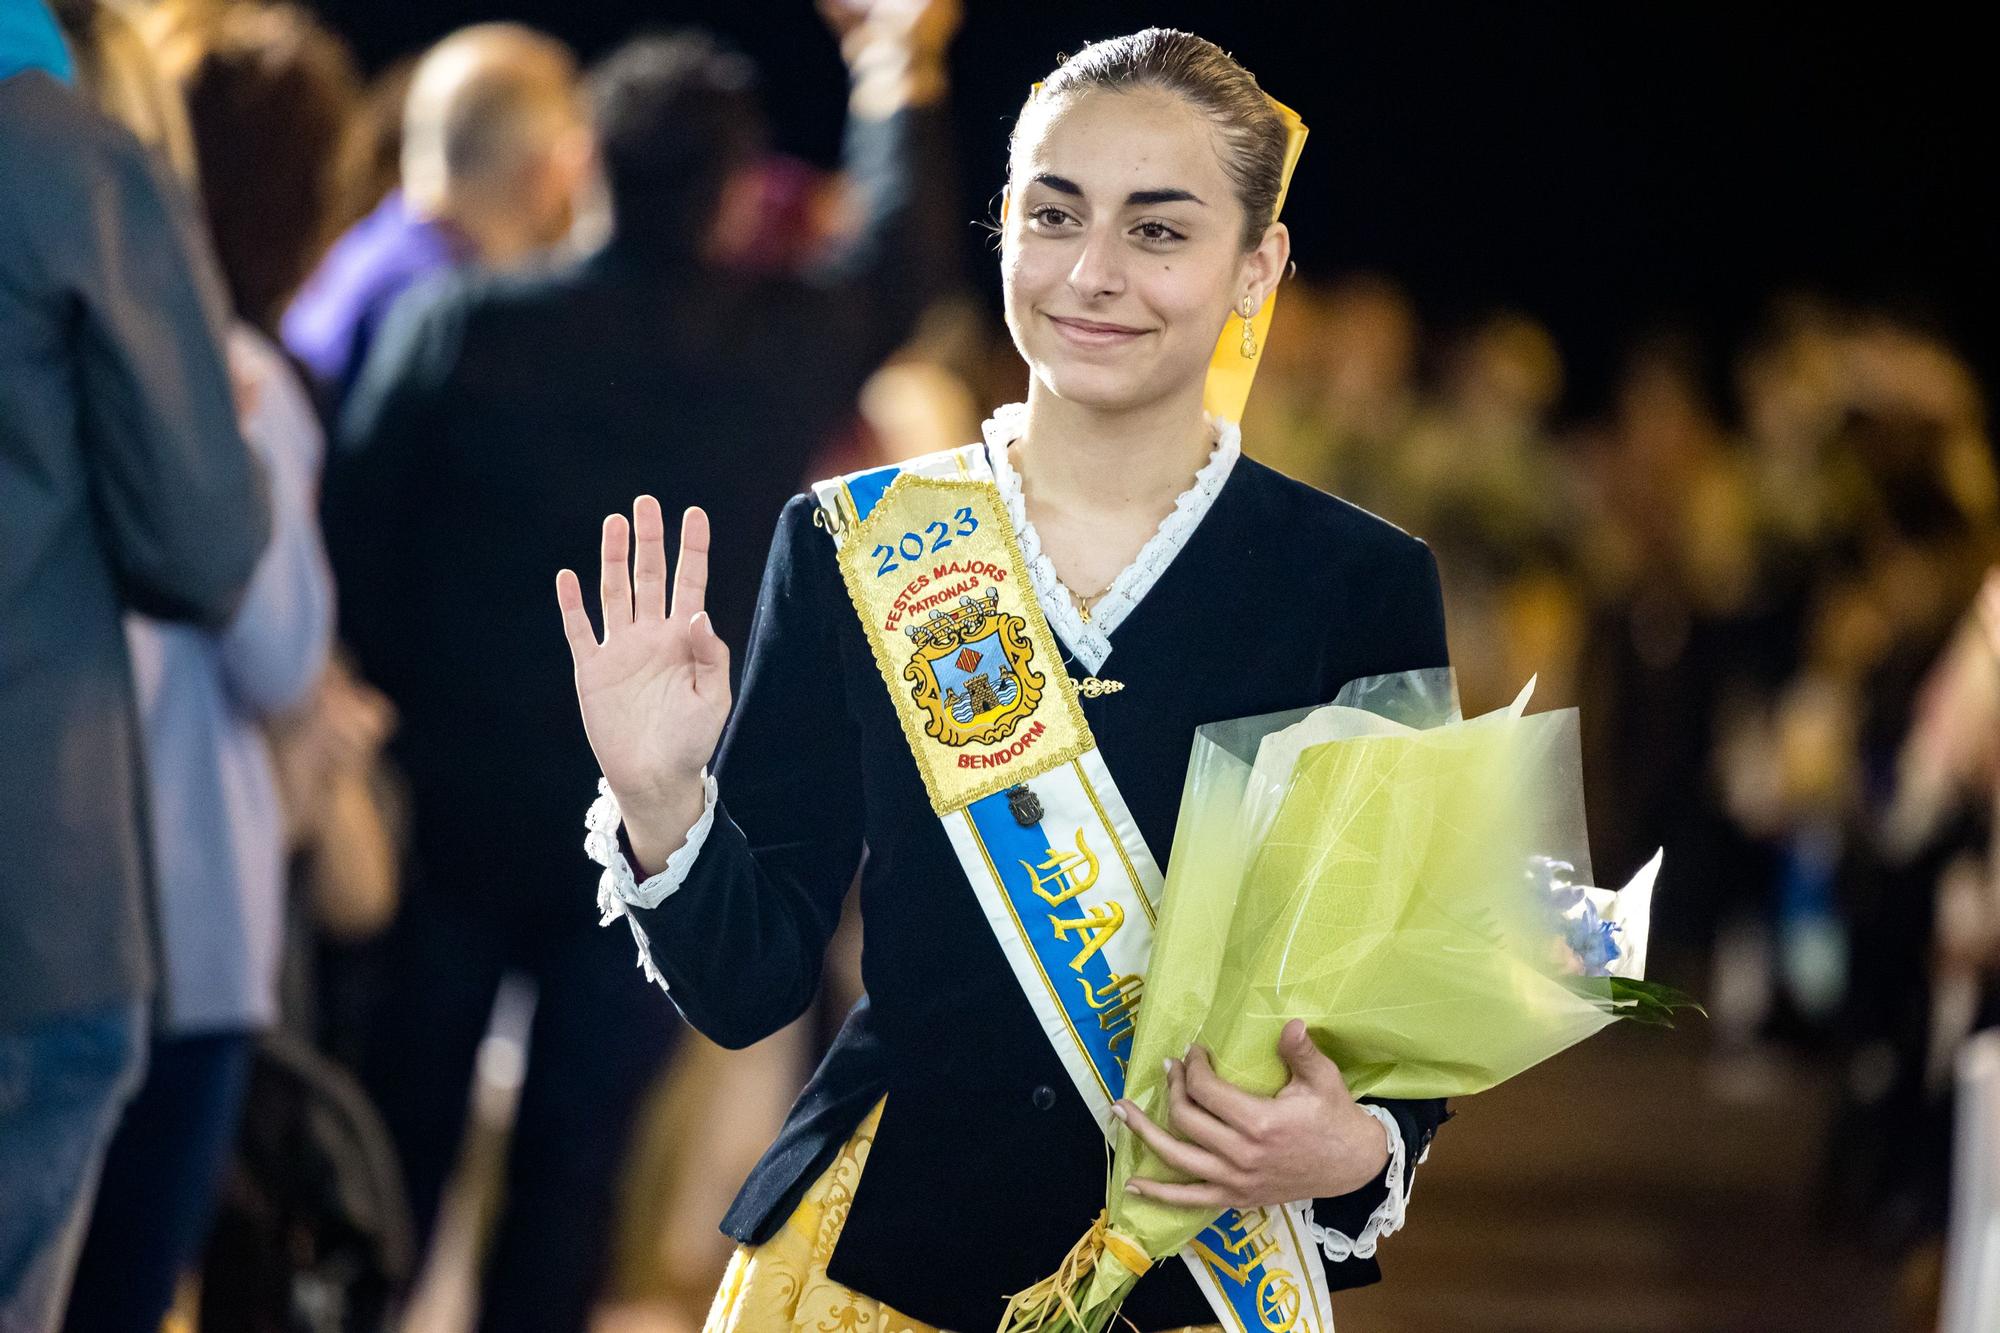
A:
[123, 484]
[494, 148]
[205, 696]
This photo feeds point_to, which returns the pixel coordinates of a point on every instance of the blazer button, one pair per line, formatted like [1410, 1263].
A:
[1044, 1097]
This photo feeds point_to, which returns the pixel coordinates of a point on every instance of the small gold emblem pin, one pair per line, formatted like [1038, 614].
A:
[1024, 805]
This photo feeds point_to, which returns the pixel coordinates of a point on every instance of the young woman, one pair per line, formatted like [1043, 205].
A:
[1142, 192]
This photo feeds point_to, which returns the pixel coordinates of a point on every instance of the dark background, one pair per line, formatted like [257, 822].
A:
[1612, 168]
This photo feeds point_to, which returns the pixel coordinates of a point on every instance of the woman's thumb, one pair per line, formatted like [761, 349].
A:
[1305, 1059]
[711, 654]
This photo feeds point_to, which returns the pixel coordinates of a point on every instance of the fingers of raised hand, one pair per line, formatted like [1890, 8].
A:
[649, 560]
[1180, 1155]
[691, 569]
[575, 620]
[614, 584]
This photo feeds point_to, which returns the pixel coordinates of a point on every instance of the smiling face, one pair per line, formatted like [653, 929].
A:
[1122, 255]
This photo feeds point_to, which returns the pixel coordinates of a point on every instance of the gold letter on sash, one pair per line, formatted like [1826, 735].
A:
[1251, 1248]
[1097, 926]
[1117, 1006]
[1061, 869]
[1278, 1302]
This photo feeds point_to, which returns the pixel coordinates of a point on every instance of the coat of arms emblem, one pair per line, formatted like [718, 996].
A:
[970, 672]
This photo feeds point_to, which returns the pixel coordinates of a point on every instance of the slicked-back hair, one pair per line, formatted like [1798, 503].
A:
[1208, 78]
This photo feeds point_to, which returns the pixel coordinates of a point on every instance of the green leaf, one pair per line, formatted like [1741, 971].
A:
[1650, 1002]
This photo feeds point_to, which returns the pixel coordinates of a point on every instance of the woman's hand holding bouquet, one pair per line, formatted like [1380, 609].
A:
[1312, 1140]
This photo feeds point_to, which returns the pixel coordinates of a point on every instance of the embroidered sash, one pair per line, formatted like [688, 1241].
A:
[1053, 855]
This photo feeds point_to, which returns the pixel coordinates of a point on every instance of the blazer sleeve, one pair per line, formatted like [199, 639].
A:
[1409, 605]
[740, 940]
[181, 501]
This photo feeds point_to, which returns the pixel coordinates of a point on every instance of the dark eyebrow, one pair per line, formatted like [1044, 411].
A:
[1136, 199]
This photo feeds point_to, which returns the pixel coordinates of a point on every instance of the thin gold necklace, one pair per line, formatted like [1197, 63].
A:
[1083, 604]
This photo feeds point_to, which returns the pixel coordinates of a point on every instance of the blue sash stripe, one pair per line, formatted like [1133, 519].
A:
[868, 488]
[1235, 1249]
[1008, 845]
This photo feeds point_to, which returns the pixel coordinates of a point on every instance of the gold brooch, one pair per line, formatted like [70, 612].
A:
[1091, 687]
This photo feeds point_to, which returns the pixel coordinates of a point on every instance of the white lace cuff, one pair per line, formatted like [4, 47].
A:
[1388, 1215]
[618, 888]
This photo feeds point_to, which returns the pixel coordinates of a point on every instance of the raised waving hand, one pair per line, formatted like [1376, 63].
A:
[655, 691]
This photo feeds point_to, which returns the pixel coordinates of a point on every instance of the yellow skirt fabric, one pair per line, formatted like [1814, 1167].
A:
[781, 1286]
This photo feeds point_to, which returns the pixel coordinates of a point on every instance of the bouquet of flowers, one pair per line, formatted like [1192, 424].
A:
[1415, 886]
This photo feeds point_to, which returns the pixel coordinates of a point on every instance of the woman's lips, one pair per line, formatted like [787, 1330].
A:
[1086, 333]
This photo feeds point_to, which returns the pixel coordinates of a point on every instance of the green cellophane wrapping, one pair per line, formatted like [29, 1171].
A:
[1374, 879]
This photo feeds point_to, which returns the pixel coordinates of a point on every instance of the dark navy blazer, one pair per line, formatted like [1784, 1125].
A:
[987, 1167]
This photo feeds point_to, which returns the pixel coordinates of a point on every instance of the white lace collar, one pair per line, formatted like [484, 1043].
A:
[1092, 641]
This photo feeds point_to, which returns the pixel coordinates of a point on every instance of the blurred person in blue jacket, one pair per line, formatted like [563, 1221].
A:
[124, 485]
[206, 696]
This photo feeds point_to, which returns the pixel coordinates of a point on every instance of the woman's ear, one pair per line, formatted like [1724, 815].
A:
[1264, 267]
[1006, 197]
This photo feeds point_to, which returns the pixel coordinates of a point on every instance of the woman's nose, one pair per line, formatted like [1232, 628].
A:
[1099, 268]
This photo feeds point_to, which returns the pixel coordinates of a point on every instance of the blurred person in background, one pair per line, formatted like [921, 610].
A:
[1669, 568]
[1781, 731]
[711, 1119]
[371, 156]
[498, 415]
[1876, 495]
[1477, 471]
[1344, 397]
[1791, 395]
[117, 69]
[278, 116]
[493, 150]
[271, 96]
[124, 484]
[273, 100]
[1855, 931]
[922, 400]
[1945, 785]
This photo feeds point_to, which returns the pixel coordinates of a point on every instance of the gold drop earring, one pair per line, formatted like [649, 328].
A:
[1249, 334]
